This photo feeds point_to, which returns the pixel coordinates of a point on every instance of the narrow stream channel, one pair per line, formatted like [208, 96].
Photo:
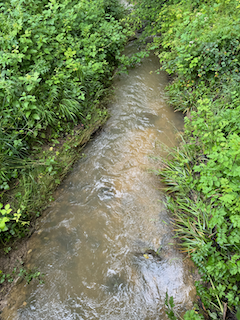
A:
[106, 214]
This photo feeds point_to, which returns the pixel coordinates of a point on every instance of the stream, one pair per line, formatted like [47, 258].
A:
[93, 242]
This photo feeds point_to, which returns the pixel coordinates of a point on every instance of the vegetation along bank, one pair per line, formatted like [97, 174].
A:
[198, 43]
[57, 60]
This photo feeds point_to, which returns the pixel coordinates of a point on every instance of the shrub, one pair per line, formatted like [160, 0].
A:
[56, 57]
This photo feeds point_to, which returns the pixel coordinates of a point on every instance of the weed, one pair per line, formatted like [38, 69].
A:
[174, 315]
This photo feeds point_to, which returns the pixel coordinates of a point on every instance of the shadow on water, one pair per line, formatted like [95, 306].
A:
[94, 241]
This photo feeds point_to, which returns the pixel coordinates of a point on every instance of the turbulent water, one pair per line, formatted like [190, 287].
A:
[106, 215]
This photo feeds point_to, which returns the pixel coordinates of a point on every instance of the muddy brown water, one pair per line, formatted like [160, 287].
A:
[106, 214]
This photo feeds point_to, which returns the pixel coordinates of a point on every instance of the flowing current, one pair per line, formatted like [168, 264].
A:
[94, 242]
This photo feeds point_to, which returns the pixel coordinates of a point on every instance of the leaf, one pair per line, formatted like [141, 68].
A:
[171, 302]
[3, 221]
[46, 50]
[27, 114]
[238, 313]
[36, 116]
[235, 219]
[227, 198]
[29, 87]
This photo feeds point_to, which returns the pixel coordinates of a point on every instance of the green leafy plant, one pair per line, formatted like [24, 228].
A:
[6, 216]
[23, 273]
[173, 314]
[29, 275]
[57, 61]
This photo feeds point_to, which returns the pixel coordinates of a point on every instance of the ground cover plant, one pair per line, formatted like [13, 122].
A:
[198, 43]
[57, 59]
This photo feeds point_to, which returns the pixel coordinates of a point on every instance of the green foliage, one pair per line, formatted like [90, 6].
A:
[173, 315]
[57, 60]
[192, 315]
[170, 305]
[204, 177]
[27, 275]
[201, 46]
[6, 217]
[145, 18]
[57, 57]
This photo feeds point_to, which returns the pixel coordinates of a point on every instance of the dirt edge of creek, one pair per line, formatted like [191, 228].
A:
[14, 258]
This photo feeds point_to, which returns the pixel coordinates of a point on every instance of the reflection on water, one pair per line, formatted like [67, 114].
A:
[106, 215]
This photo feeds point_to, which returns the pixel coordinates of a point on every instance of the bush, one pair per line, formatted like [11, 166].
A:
[57, 57]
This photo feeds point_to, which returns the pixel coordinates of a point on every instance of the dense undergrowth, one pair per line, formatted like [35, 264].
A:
[198, 42]
[57, 59]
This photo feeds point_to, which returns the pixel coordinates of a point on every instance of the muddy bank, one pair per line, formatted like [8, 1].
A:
[13, 255]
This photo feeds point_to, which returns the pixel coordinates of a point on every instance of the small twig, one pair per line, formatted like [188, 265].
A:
[224, 310]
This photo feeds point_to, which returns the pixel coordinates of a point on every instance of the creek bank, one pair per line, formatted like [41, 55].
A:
[200, 43]
[66, 152]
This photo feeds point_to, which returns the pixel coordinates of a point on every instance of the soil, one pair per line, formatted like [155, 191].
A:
[15, 258]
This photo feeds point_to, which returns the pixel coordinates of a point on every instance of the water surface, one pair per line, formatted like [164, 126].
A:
[107, 213]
